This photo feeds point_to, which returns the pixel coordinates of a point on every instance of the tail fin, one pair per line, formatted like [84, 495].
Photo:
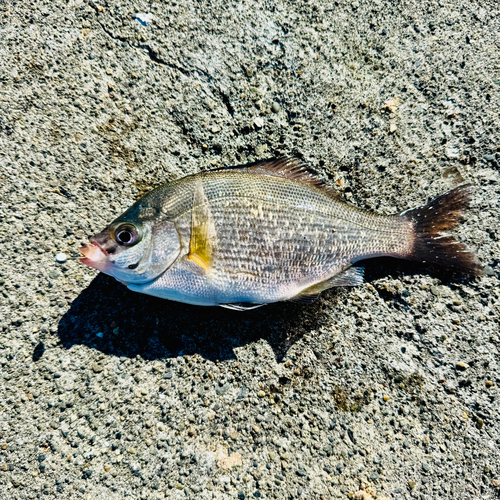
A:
[433, 244]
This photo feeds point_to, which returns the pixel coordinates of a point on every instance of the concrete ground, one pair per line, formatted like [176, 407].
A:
[389, 390]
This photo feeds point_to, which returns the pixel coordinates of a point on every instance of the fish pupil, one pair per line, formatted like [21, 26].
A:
[124, 236]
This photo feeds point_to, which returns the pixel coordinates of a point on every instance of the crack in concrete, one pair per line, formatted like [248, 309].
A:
[155, 57]
[153, 54]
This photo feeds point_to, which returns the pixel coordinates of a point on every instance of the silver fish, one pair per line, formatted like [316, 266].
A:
[265, 232]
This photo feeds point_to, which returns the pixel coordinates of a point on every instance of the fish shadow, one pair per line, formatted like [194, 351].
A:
[108, 317]
[383, 267]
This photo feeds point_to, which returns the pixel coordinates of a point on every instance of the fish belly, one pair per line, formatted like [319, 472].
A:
[181, 284]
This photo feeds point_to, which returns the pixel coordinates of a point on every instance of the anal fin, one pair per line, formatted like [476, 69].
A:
[352, 276]
[304, 299]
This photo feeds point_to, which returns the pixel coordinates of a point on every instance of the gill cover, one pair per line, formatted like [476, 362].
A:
[132, 251]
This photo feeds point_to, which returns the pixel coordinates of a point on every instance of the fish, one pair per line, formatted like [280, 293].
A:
[266, 232]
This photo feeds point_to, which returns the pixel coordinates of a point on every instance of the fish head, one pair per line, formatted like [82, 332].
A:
[134, 248]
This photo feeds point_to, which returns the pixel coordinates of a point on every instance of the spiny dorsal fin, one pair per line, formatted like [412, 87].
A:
[203, 231]
[288, 168]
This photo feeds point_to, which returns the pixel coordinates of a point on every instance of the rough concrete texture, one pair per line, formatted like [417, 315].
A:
[389, 390]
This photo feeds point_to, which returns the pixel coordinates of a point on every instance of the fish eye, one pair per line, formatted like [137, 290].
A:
[127, 235]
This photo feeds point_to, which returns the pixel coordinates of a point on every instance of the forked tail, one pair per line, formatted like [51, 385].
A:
[432, 222]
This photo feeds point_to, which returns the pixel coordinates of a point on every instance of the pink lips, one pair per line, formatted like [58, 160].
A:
[93, 255]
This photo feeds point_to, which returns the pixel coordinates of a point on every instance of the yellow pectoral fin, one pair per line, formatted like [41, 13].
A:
[201, 261]
[203, 233]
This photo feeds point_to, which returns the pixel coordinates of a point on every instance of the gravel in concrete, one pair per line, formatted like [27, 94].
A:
[389, 390]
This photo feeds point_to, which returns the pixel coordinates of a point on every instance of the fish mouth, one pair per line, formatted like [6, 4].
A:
[92, 253]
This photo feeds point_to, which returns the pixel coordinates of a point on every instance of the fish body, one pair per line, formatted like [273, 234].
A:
[264, 233]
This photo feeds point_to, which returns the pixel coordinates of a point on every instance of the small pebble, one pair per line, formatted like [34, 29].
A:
[144, 18]
[462, 366]
[97, 368]
[258, 122]
[275, 107]
[61, 258]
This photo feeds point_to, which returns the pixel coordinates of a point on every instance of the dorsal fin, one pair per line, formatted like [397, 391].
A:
[288, 168]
